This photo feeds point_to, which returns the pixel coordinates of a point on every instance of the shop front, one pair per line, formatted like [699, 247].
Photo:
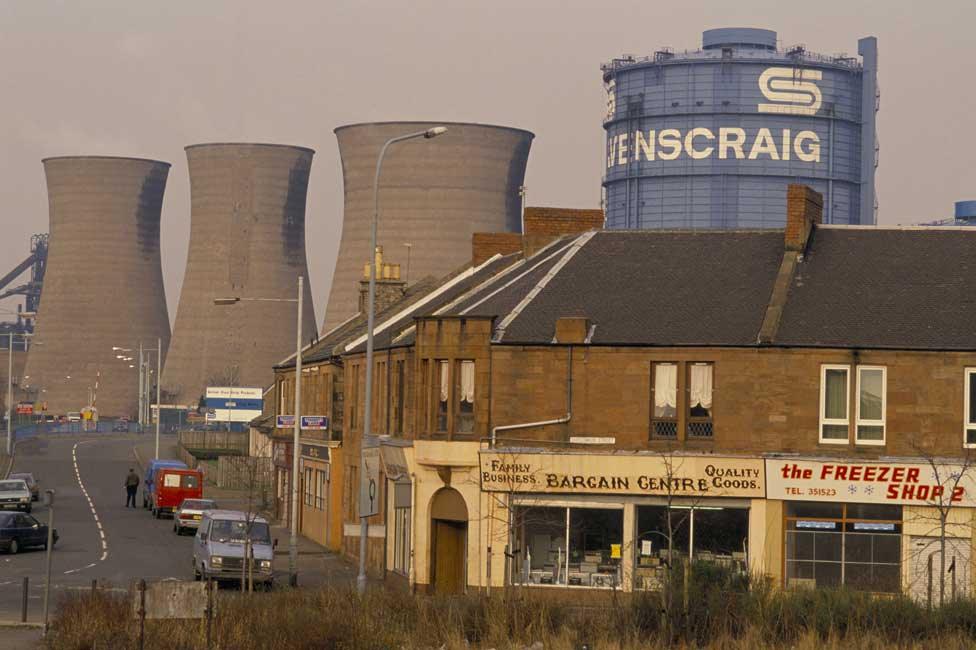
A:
[315, 467]
[617, 520]
[875, 526]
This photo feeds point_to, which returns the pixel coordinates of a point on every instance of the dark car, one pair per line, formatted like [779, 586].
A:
[19, 530]
[28, 478]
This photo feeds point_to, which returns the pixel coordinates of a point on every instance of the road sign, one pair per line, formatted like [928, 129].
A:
[369, 484]
[171, 599]
[25, 408]
[285, 421]
[234, 404]
[315, 422]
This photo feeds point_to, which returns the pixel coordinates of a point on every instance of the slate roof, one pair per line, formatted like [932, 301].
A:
[909, 288]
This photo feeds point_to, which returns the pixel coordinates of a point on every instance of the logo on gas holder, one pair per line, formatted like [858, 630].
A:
[792, 91]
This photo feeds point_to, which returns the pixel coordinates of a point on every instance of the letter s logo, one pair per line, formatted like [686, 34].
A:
[792, 91]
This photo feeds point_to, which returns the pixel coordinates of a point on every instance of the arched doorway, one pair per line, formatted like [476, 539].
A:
[449, 536]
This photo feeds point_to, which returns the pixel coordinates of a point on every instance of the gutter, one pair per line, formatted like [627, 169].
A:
[544, 423]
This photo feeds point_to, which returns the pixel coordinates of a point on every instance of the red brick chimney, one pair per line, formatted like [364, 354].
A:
[804, 207]
[542, 225]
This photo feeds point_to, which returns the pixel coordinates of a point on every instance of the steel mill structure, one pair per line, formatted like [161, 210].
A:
[247, 241]
[434, 194]
[712, 138]
[103, 286]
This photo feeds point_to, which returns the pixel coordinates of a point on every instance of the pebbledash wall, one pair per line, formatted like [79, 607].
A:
[710, 138]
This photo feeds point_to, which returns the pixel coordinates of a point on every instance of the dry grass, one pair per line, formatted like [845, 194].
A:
[724, 614]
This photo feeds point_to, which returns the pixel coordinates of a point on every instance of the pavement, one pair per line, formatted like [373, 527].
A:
[100, 539]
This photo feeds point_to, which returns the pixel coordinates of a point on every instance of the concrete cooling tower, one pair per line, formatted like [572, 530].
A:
[434, 194]
[103, 287]
[247, 240]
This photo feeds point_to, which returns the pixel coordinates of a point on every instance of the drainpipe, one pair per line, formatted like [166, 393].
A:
[545, 423]
[411, 572]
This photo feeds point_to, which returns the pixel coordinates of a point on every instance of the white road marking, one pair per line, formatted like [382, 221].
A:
[91, 505]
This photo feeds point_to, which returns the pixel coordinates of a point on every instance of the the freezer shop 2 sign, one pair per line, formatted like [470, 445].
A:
[920, 483]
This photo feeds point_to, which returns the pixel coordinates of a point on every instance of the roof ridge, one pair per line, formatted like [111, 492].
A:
[577, 244]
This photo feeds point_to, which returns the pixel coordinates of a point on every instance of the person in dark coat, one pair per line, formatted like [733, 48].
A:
[131, 483]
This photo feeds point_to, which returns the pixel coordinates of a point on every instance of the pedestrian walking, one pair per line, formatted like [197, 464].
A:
[131, 483]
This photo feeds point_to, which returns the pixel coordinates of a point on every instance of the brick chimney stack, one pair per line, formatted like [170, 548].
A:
[542, 225]
[804, 208]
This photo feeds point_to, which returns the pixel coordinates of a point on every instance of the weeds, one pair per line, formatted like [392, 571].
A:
[724, 611]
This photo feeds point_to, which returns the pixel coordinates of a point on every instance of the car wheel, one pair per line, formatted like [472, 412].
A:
[14, 547]
[28, 508]
[196, 574]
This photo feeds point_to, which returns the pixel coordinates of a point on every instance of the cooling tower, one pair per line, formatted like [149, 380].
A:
[434, 194]
[103, 287]
[247, 240]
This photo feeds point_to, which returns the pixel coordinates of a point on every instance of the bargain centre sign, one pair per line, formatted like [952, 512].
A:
[931, 484]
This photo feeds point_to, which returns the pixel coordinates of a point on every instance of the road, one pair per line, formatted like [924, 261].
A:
[99, 538]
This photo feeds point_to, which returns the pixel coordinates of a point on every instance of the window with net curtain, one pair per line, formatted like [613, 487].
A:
[444, 389]
[464, 418]
[664, 421]
[834, 419]
[700, 391]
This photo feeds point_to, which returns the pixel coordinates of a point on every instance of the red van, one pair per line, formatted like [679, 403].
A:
[172, 486]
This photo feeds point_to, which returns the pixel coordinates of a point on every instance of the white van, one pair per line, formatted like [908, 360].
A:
[218, 548]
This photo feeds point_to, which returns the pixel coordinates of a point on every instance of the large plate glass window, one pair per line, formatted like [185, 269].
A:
[593, 537]
[834, 407]
[871, 403]
[835, 544]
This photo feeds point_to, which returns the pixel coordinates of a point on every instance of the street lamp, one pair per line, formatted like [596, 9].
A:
[10, 387]
[370, 316]
[296, 440]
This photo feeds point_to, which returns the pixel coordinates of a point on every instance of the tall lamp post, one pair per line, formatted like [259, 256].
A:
[10, 387]
[296, 441]
[370, 316]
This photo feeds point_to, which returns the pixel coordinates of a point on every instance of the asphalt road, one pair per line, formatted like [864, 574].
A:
[99, 538]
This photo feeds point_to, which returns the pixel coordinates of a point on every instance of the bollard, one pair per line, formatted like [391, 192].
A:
[23, 602]
[142, 614]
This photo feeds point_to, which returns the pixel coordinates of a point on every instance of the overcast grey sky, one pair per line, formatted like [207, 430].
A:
[132, 78]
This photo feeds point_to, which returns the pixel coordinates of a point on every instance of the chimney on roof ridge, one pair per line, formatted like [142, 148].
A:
[389, 286]
[542, 226]
[804, 207]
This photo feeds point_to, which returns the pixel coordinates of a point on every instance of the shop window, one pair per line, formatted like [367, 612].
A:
[593, 537]
[700, 387]
[321, 489]
[441, 394]
[969, 422]
[834, 408]
[871, 405]
[853, 545]
[308, 487]
[664, 420]
[706, 534]
[401, 527]
[464, 417]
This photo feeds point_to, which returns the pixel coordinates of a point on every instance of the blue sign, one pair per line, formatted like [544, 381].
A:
[317, 422]
[285, 421]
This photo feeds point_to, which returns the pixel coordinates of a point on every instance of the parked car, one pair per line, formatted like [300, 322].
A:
[28, 478]
[218, 548]
[149, 480]
[14, 493]
[173, 486]
[19, 531]
[190, 512]
[121, 426]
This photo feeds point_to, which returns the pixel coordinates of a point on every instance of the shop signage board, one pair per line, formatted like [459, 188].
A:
[920, 483]
[369, 484]
[315, 422]
[285, 421]
[660, 475]
[25, 408]
[233, 404]
[317, 452]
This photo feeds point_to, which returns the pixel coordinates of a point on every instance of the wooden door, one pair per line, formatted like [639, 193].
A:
[449, 556]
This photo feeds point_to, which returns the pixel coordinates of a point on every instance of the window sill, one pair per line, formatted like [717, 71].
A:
[831, 441]
[869, 443]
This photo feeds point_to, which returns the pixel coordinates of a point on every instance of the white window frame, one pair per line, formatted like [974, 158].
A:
[823, 397]
[966, 424]
[883, 422]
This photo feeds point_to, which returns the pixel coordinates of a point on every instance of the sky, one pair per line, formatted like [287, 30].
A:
[145, 79]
